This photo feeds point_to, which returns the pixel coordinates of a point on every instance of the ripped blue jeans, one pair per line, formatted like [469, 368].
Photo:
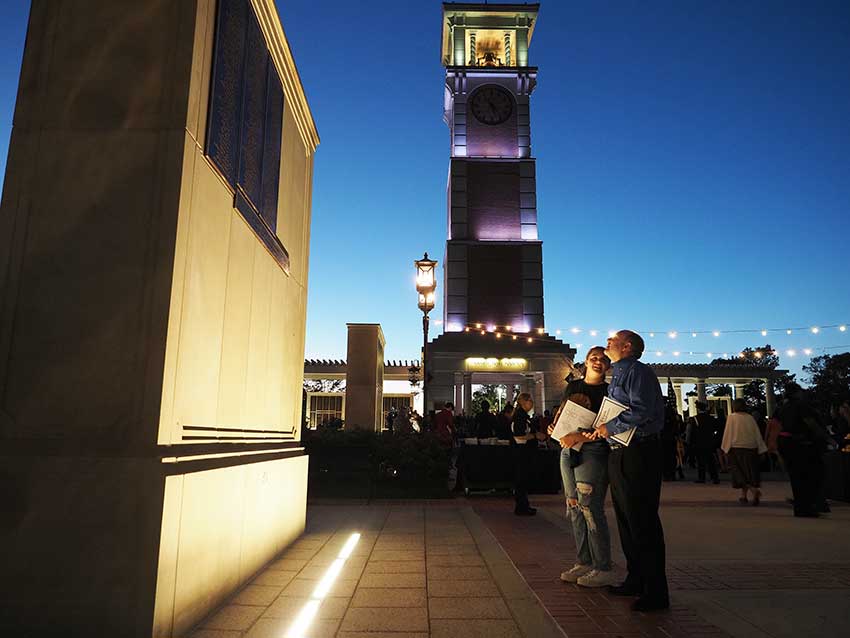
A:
[585, 487]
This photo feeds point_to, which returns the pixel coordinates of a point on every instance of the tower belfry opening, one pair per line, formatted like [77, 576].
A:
[493, 265]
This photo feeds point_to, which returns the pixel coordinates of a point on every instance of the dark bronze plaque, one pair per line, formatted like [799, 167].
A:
[271, 148]
[253, 113]
[226, 90]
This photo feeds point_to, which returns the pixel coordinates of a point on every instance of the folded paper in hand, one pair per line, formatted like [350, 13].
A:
[609, 410]
[573, 417]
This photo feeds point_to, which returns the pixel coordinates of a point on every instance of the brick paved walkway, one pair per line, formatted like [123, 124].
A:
[468, 567]
[541, 550]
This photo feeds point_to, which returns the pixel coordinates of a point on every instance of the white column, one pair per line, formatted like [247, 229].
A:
[677, 390]
[770, 397]
[458, 390]
[701, 390]
[467, 393]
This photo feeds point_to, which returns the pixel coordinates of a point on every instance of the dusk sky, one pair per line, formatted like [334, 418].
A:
[693, 166]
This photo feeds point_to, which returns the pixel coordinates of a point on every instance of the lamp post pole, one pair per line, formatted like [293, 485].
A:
[426, 284]
[425, 322]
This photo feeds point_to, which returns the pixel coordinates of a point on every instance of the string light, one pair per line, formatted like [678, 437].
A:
[672, 334]
[755, 353]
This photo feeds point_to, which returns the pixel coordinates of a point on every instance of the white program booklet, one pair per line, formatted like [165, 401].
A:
[611, 409]
[573, 417]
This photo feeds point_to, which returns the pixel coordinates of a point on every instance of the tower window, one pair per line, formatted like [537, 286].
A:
[490, 47]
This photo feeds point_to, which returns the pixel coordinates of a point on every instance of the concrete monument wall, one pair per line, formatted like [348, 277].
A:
[151, 346]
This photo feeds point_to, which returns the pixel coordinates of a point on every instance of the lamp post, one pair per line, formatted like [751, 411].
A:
[426, 285]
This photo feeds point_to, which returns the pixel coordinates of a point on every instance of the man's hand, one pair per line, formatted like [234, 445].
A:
[602, 431]
[550, 429]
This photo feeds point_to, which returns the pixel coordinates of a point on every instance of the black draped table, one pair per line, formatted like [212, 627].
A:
[837, 480]
[491, 467]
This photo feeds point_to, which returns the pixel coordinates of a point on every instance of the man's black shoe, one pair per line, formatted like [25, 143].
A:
[650, 604]
[699, 481]
[526, 512]
[806, 514]
[625, 590]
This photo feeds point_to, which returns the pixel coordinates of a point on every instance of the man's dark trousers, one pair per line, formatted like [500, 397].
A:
[707, 459]
[635, 477]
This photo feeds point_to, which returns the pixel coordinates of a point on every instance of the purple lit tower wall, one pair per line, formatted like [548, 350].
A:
[493, 263]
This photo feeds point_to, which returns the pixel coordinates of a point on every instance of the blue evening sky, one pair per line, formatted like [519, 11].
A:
[693, 165]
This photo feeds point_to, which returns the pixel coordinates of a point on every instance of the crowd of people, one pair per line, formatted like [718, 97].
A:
[662, 446]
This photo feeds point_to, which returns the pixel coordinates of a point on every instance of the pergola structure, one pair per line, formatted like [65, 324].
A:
[700, 374]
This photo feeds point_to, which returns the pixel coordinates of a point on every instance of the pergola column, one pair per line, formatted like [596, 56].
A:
[539, 393]
[467, 393]
[739, 390]
[458, 391]
[701, 390]
[770, 398]
[677, 391]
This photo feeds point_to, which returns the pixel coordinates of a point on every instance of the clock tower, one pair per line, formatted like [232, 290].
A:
[493, 328]
[493, 267]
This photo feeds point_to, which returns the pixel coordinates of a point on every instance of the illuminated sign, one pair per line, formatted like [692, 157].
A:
[494, 364]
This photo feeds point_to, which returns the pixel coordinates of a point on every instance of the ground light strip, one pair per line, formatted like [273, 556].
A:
[308, 612]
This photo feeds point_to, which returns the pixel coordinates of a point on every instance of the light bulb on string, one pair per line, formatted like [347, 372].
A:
[673, 334]
[764, 333]
[842, 328]
[716, 333]
[815, 330]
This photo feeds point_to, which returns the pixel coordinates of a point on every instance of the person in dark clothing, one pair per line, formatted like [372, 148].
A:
[703, 442]
[802, 443]
[503, 423]
[524, 447]
[635, 472]
[668, 442]
[486, 422]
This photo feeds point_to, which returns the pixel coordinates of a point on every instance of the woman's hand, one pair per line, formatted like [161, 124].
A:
[569, 440]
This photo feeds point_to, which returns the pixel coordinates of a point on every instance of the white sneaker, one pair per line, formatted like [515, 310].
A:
[596, 578]
[575, 573]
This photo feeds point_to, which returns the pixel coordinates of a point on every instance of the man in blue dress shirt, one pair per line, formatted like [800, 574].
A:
[635, 472]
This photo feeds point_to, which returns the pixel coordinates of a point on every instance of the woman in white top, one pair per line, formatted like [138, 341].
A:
[743, 443]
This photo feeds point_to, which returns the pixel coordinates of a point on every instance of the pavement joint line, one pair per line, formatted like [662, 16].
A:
[528, 611]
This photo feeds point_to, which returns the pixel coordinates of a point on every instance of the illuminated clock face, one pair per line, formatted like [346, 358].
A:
[491, 105]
